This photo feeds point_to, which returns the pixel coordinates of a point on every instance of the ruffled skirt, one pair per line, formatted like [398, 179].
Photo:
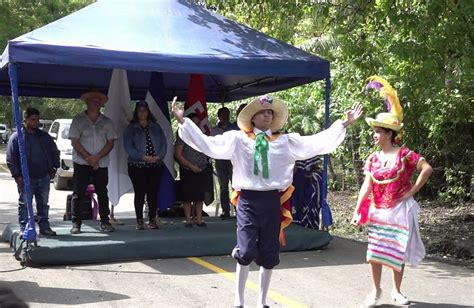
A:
[394, 235]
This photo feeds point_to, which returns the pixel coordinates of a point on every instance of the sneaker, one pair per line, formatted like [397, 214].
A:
[76, 228]
[140, 224]
[372, 298]
[225, 216]
[399, 298]
[48, 232]
[107, 227]
[152, 225]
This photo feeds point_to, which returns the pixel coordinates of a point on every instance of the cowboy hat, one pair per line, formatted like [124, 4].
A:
[280, 113]
[94, 94]
[385, 120]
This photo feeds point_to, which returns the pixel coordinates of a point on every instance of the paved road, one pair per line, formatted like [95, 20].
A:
[335, 277]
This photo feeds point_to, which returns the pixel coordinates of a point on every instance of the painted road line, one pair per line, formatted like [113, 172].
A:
[250, 285]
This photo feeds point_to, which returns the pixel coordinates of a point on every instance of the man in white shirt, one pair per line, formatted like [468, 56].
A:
[263, 162]
[92, 137]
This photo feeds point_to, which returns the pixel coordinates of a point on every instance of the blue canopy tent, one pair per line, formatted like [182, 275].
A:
[173, 37]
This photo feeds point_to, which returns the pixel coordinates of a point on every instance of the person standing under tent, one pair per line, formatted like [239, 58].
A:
[145, 144]
[224, 166]
[193, 172]
[386, 201]
[263, 162]
[42, 156]
[92, 137]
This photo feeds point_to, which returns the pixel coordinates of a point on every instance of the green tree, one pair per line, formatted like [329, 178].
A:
[424, 48]
[22, 16]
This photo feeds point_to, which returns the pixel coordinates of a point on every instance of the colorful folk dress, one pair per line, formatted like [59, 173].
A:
[394, 236]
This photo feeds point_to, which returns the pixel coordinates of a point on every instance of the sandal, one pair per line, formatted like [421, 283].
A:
[202, 224]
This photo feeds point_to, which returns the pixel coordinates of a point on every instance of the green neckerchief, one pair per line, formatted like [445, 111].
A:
[261, 152]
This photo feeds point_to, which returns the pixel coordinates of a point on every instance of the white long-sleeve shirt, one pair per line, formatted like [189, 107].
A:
[282, 154]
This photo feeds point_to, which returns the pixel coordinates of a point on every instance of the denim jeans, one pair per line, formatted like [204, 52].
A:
[40, 190]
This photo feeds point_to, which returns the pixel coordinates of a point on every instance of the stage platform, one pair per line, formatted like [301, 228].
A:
[172, 240]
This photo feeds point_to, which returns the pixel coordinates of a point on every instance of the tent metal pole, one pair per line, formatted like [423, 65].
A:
[327, 219]
[29, 233]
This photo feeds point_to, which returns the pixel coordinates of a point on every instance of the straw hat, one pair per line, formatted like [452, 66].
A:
[386, 120]
[94, 94]
[394, 117]
[280, 113]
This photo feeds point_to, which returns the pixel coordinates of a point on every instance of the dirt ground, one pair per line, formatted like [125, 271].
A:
[446, 231]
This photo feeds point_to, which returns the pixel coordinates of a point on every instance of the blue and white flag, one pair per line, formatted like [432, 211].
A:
[158, 105]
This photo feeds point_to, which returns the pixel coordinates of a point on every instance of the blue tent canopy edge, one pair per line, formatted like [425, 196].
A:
[175, 37]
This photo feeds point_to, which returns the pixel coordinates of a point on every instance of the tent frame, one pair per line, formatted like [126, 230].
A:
[30, 234]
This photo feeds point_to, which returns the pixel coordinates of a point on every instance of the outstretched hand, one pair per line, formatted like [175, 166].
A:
[178, 113]
[353, 114]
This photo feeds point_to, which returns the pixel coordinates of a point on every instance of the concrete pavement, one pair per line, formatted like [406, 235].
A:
[334, 277]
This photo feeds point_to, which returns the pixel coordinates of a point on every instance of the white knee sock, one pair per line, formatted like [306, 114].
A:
[264, 277]
[242, 272]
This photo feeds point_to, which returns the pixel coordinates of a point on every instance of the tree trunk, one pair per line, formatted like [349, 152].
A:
[331, 170]
[355, 158]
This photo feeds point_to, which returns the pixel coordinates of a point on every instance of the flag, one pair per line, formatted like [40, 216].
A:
[118, 110]
[196, 102]
[158, 105]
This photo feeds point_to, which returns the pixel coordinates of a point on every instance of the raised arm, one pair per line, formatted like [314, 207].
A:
[217, 147]
[304, 147]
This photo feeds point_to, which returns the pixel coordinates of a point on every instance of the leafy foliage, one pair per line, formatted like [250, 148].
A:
[22, 16]
[424, 48]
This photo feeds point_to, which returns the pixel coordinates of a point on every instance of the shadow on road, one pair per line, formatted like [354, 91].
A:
[426, 305]
[33, 293]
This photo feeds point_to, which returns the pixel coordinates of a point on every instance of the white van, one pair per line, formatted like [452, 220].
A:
[59, 130]
[5, 133]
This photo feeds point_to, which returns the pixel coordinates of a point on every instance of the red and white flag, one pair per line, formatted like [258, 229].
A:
[196, 102]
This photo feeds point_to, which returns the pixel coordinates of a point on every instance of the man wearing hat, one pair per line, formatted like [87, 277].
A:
[92, 137]
[263, 162]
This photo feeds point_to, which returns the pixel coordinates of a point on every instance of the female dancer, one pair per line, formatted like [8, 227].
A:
[386, 201]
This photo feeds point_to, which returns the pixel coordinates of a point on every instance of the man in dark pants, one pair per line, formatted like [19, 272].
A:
[92, 137]
[263, 161]
[224, 167]
[42, 157]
